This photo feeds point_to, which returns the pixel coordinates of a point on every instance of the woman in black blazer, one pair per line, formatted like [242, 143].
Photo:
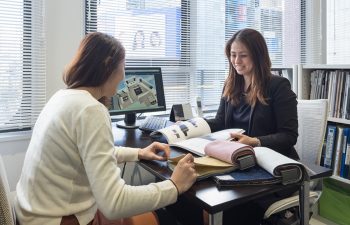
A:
[273, 125]
[264, 106]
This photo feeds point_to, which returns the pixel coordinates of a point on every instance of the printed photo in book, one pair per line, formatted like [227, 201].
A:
[271, 167]
[193, 135]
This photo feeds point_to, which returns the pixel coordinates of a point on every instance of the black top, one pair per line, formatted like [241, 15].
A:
[275, 124]
[241, 114]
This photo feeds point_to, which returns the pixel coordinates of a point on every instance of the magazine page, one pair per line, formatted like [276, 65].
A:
[223, 135]
[184, 130]
[197, 145]
[193, 145]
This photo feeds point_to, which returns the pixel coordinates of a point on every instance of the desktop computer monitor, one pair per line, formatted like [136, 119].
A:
[140, 91]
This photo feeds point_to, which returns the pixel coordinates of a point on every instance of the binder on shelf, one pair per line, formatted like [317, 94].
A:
[341, 141]
[328, 151]
[345, 156]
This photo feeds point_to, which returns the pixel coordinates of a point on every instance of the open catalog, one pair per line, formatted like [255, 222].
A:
[218, 154]
[272, 167]
[193, 135]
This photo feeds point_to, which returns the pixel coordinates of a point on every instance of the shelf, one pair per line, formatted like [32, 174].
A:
[291, 75]
[326, 66]
[341, 179]
[338, 81]
[338, 120]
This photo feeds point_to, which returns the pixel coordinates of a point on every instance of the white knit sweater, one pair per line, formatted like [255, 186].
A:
[71, 167]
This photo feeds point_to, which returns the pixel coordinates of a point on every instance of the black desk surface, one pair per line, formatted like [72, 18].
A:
[204, 193]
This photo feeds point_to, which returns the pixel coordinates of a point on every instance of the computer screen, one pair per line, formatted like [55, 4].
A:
[140, 91]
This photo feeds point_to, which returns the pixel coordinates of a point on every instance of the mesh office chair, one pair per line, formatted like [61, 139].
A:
[312, 119]
[7, 215]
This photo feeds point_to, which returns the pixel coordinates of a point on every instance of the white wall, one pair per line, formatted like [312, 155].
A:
[65, 29]
[64, 22]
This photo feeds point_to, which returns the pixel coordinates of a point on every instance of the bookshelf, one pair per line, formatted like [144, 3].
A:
[331, 82]
[289, 72]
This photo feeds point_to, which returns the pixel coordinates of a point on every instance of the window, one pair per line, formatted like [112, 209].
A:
[338, 35]
[187, 38]
[22, 64]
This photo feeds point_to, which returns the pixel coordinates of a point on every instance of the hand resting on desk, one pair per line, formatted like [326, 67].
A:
[184, 174]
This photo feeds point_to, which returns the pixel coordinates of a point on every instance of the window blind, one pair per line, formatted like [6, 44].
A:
[187, 38]
[22, 63]
[312, 46]
[338, 35]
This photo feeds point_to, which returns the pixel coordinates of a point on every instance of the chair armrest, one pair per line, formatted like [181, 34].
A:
[289, 202]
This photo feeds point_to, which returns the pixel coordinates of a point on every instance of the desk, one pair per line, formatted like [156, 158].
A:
[204, 193]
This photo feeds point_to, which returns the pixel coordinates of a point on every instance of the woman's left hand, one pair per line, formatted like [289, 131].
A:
[244, 139]
[150, 152]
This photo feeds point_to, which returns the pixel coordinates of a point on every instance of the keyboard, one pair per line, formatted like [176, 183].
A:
[153, 123]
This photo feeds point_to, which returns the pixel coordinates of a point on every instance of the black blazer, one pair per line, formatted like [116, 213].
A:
[275, 124]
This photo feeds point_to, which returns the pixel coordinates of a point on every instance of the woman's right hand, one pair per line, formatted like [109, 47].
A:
[184, 174]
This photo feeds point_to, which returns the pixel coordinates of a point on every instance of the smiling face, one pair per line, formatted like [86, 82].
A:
[241, 59]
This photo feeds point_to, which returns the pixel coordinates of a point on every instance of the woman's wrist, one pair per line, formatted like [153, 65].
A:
[140, 154]
[177, 189]
[257, 142]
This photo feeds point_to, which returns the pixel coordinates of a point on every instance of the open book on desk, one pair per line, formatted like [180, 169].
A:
[272, 167]
[220, 157]
[193, 135]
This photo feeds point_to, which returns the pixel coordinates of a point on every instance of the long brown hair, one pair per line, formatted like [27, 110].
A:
[98, 56]
[234, 84]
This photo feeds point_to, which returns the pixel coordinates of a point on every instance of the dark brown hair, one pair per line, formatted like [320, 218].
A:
[98, 56]
[234, 84]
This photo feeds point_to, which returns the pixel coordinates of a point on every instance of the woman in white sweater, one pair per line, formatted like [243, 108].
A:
[70, 169]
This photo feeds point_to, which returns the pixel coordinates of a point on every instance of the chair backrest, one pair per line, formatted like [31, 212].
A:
[312, 119]
[6, 210]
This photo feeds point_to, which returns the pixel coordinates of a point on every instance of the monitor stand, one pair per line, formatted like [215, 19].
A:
[129, 122]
